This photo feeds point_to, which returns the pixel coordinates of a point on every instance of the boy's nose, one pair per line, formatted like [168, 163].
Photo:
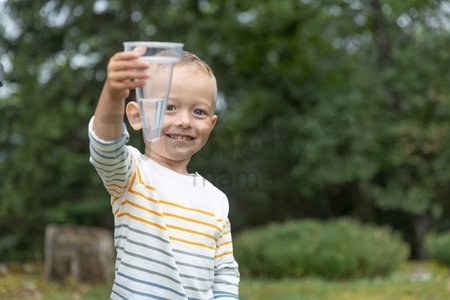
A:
[183, 120]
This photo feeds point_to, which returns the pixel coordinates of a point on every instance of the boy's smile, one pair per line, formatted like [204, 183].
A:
[180, 137]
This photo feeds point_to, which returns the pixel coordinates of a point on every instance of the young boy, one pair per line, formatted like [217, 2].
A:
[172, 234]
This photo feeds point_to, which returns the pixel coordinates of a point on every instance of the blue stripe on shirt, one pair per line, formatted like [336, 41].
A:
[92, 148]
[112, 176]
[151, 284]
[110, 165]
[151, 272]
[121, 297]
[139, 293]
[145, 246]
[219, 294]
[142, 232]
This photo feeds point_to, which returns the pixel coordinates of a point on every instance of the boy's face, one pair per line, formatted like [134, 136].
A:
[189, 117]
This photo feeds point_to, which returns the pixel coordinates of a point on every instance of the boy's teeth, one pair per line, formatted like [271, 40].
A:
[180, 137]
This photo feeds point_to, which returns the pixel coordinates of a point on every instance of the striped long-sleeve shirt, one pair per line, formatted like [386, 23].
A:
[172, 233]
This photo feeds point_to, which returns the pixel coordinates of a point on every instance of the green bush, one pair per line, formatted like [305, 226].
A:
[438, 246]
[339, 248]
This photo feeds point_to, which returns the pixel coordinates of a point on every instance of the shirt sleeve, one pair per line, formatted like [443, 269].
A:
[226, 273]
[112, 160]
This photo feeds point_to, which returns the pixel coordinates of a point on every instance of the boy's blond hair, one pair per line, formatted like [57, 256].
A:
[191, 58]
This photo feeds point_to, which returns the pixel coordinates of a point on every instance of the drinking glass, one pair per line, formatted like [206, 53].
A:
[152, 97]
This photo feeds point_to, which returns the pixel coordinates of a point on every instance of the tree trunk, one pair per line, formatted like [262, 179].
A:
[420, 227]
[83, 253]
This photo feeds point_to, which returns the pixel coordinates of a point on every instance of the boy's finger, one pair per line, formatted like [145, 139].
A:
[125, 85]
[127, 55]
[120, 76]
[126, 65]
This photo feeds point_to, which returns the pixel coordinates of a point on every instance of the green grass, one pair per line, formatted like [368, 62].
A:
[414, 281]
[364, 290]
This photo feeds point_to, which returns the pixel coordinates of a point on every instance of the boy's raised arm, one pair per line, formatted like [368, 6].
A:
[124, 72]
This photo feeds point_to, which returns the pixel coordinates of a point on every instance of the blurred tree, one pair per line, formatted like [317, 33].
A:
[344, 105]
[415, 123]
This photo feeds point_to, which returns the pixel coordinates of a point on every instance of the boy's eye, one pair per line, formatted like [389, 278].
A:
[170, 107]
[199, 112]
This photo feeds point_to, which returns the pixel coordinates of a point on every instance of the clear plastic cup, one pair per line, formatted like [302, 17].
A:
[152, 97]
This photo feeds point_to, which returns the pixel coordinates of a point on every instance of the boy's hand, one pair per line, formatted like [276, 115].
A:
[125, 72]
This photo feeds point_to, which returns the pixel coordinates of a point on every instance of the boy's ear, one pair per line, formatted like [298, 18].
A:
[133, 115]
[214, 120]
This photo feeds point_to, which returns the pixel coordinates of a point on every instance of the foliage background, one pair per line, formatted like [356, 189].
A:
[328, 108]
